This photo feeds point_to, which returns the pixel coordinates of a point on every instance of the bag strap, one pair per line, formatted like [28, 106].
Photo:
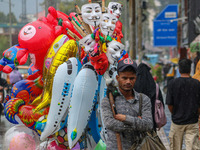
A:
[140, 105]
[157, 90]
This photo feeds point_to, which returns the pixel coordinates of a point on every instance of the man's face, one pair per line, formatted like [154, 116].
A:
[91, 14]
[126, 80]
[115, 9]
[87, 43]
[114, 51]
[107, 24]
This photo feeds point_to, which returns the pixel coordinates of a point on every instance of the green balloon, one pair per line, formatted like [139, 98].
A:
[100, 146]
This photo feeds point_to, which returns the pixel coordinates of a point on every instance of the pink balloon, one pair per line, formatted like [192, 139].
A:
[22, 141]
[76, 147]
[54, 146]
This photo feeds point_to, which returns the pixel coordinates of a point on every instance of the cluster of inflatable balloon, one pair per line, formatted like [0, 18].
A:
[73, 59]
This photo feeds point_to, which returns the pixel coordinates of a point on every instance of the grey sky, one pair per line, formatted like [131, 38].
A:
[17, 7]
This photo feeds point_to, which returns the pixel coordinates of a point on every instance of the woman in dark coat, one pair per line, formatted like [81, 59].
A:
[146, 84]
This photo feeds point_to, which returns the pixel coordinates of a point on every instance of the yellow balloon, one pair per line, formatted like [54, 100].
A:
[197, 71]
[55, 46]
[69, 49]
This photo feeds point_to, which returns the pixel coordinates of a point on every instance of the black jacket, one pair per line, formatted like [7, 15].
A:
[146, 84]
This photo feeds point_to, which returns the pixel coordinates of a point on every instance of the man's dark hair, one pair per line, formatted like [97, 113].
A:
[127, 69]
[184, 65]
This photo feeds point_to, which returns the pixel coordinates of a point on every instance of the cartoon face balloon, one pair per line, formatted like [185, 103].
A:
[107, 24]
[87, 43]
[91, 14]
[115, 8]
[114, 51]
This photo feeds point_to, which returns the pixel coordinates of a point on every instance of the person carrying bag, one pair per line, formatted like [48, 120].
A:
[149, 140]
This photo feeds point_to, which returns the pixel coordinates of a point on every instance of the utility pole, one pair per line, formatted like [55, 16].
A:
[10, 22]
[139, 30]
[132, 35]
[179, 26]
[23, 16]
[36, 9]
[125, 24]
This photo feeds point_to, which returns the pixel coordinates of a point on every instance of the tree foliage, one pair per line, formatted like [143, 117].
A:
[2, 17]
[4, 44]
[13, 18]
[67, 6]
[5, 18]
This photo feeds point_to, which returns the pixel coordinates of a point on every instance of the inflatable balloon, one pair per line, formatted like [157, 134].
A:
[22, 141]
[67, 50]
[100, 146]
[61, 99]
[85, 87]
[34, 38]
[67, 24]
[61, 93]
[55, 46]
[12, 57]
[54, 146]
[20, 137]
[27, 90]
[16, 106]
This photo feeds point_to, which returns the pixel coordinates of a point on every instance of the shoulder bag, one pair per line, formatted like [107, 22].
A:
[149, 140]
[159, 115]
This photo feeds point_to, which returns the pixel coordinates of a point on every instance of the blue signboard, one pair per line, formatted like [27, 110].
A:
[170, 12]
[165, 27]
[165, 33]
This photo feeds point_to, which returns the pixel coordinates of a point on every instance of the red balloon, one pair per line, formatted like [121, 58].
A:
[67, 24]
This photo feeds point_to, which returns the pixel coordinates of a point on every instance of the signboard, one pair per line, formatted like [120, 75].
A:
[165, 27]
[170, 12]
[165, 33]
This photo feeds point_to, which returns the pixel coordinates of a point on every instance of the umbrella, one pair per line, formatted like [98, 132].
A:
[195, 45]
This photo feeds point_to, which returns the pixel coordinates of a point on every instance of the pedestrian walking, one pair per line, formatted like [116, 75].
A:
[183, 100]
[146, 84]
[3, 86]
[126, 121]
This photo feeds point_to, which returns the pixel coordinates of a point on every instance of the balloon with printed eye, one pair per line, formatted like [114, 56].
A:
[100, 63]
[114, 51]
[115, 8]
[91, 14]
[87, 43]
[107, 24]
